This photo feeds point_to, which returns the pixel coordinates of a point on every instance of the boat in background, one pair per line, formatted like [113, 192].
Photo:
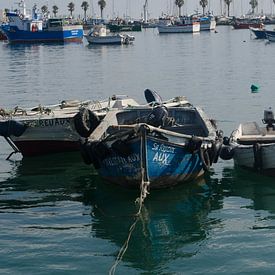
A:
[98, 35]
[207, 23]
[120, 25]
[260, 33]
[24, 28]
[246, 23]
[183, 24]
[55, 128]
[253, 146]
[154, 147]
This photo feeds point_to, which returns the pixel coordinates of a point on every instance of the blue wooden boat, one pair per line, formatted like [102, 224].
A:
[157, 145]
[24, 28]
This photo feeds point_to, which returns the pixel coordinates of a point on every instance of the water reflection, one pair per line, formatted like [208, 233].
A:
[43, 179]
[249, 185]
[173, 222]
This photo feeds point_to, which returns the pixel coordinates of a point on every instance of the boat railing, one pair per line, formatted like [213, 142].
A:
[137, 127]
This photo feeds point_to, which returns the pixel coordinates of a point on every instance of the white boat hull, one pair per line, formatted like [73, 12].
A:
[116, 39]
[245, 156]
[186, 28]
[210, 25]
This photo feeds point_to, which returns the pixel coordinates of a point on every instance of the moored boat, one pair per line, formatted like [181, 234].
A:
[207, 23]
[253, 146]
[185, 24]
[24, 28]
[55, 128]
[160, 146]
[98, 35]
[120, 25]
[246, 23]
[260, 33]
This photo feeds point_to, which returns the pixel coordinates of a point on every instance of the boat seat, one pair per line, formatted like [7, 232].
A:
[251, 129]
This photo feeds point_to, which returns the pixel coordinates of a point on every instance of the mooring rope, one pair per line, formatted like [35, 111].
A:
[143, 194]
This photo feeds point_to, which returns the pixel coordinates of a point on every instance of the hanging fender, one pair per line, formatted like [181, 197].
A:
[205, 159]
[85, 122]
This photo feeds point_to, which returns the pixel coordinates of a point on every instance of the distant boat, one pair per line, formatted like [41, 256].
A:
[185, 24]
[246, 23]
[23, 28]
[207, 23]
[120, 25]
[253, 146]
[98, 35]
[158, 145]
[260, 33]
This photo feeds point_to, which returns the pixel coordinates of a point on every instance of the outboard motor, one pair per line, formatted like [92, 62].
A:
[158, 116]
[269, 119]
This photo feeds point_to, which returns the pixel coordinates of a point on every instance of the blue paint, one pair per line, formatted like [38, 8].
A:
[164, 160]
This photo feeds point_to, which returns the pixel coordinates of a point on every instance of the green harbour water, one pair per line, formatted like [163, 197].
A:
[57, 215]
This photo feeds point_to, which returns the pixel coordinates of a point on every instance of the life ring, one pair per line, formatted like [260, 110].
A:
[85, 122]
[205, 159]
[21, 16]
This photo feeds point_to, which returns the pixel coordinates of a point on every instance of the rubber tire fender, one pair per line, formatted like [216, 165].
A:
[85, 122]
[205, 159]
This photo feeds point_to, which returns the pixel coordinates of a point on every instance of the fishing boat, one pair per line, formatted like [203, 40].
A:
[24, 28]
[159, 146]
[120, 25]
[260, 33]
[98, 35]
[246, 23]
[253, 146]
[55, 128]
[207, 23]
[185, 24]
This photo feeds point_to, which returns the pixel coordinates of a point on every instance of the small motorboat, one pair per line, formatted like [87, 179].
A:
[157, 145]
[260, 33]
[99, 35]
[253, 146]
[55, 128]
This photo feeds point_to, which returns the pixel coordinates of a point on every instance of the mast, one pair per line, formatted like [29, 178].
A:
[145, 11]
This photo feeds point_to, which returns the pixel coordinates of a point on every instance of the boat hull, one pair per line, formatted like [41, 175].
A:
[262, 158]
[46, 136]
[167, 164]
[247, 25]
[66, 34]
[185, 28]
[105, 40]
[124, 28]
[31, 148]
[259, 33]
